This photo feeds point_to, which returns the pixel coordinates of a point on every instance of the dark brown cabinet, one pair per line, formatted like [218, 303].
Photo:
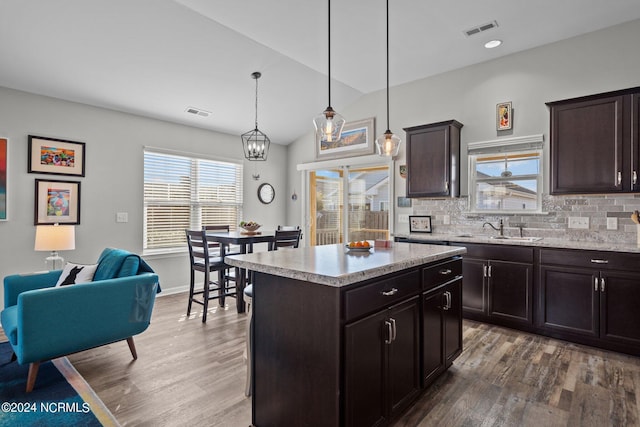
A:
[599, 128]
[498, 284]
[433, 160]
[586, 294]
[382, 365]
[442, 328]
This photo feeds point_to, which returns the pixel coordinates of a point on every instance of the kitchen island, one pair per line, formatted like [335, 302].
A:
[345, 338]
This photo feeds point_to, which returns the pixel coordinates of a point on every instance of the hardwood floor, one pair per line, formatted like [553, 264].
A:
[189, 373]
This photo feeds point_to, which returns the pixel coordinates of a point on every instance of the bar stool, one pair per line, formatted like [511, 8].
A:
[202, 261]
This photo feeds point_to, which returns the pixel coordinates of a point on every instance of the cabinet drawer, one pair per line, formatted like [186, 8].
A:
[438, 274]
[498, 252]
[591, 259]
[381, 294]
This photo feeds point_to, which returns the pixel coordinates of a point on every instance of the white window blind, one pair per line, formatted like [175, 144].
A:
[185, 192]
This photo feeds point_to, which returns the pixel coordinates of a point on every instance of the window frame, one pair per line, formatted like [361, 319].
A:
[195, 203]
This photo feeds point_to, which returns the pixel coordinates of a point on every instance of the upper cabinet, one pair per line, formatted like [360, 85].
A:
[594, 143]
[433, 159]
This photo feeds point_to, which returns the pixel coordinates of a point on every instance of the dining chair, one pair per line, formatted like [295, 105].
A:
[285, 238]
[201, 260]
[288, 227]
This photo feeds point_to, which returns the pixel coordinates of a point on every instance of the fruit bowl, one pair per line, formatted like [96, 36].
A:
[250, 226]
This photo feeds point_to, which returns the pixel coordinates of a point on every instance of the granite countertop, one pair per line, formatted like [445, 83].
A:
[542, 243]
[335, 265]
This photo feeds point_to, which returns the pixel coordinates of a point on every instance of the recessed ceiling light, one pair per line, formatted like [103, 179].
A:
[492, 43]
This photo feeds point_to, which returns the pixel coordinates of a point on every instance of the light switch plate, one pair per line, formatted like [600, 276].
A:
[612, 223]
[579, 222]
[446, 219]
[403, 219]
[122, 217]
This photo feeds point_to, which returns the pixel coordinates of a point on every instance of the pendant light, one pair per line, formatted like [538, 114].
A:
[329, 124]
[255, 143]
[388, 144]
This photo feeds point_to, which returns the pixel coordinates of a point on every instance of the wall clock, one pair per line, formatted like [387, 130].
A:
[266, 193]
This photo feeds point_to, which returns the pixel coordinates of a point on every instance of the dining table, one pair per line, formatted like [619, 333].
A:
[245, 241]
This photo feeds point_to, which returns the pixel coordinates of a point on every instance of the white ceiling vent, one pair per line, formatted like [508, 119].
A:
[480, 28]
[198, 112]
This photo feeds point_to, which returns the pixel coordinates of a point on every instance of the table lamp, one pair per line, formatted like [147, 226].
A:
[55, 238]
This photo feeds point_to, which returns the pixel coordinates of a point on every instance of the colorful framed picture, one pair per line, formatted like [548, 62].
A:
[4, 156]
[419, 224]
[504, 116]
[56, 156]
[57, 202]
[357, 139]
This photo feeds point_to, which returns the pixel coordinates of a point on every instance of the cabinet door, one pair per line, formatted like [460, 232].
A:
[619, 304]
[433, 333]
[404, 355]
[510, 291]
[594, 129]
[570, 300]
[635, 137]
[364, 371]
[453, 322]
[473, 286]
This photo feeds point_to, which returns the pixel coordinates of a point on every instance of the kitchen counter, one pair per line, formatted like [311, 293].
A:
[542, 243]
[335, 265]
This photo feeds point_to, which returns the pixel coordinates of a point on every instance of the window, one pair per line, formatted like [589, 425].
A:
[505, 179]
[183, 192]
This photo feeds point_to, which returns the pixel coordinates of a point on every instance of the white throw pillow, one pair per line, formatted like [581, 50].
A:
[77, 273]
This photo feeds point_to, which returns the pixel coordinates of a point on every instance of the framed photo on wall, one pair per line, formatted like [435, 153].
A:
[57, 202]
[56, 156]
[419, 224]
[356, 140]
[504, 117]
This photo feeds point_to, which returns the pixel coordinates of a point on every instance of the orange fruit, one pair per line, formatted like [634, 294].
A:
[352, 244]
[365, 244]
[358, 244]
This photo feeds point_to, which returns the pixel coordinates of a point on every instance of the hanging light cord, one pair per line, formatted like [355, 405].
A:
[329, 49]
[388, 128]
[256, 76]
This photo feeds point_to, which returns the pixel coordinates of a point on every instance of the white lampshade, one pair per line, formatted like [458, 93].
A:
[55, 238]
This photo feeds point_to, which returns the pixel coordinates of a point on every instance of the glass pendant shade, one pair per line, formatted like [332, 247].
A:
[255, 143]
[388, 144]
[329, 126]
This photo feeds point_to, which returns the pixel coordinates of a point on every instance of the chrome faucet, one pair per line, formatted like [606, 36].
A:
[500, 225]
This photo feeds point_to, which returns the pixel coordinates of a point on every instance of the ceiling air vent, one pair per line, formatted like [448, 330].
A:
[480, 28]
[198, 112]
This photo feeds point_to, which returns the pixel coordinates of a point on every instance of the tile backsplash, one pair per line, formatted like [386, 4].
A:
[552, 223]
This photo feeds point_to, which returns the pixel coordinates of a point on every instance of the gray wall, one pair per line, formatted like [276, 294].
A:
[113, 181]
[597, 62]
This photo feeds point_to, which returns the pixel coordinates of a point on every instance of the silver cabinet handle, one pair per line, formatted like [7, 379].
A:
[393, 329]
[600, 261]
[484, 270]
[446, 185]
[595, 284]
[602, 285]
[393, 291]
[619, 178]
[389, 332]
[445, 271]
[489, 271]
[447, 300]
[635, 177]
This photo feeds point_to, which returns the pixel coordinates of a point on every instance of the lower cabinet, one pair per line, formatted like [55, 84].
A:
[498, 283]
[583, 294]
[382, 365]
[442, 329]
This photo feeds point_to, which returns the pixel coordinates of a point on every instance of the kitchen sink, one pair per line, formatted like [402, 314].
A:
[517, 239]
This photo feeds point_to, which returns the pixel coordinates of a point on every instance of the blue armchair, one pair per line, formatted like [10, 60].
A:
[43, 322]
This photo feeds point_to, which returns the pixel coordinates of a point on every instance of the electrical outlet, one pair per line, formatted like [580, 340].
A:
[579, 222]
[403, 219]
[612, 223]
[446, 219]
[122, 217]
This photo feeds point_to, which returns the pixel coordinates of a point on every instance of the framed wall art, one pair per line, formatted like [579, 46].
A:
[57, 202]
[504, 117]
[419, 224]
[357, 139]
[4, 156]
[56, 156]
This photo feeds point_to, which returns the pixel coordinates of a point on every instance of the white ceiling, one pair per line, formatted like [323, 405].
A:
[157, 57]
